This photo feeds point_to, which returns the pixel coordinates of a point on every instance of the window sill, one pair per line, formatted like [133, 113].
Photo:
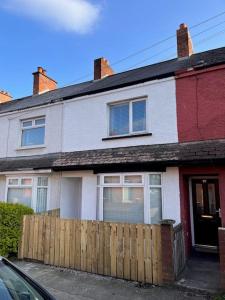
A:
[126, 136]
[30, 147]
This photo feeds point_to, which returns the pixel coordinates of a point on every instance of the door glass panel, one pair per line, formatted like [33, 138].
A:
[199, 199]
[212, 198]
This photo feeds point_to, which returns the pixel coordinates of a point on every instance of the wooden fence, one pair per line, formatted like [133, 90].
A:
[127, 251]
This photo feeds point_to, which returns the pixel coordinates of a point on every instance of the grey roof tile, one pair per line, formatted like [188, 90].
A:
[176, 154]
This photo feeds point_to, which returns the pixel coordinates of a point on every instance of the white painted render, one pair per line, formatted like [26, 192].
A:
[10, 138]
[81, 123]
[171, 195]
[86, 120]
[170, 190]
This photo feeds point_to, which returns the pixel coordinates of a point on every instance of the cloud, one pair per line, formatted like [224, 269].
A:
[69, 15]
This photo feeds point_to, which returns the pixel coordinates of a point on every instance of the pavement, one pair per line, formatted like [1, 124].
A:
[67, 284]
[202, 273]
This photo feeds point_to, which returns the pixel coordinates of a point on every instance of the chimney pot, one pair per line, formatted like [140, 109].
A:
[184, 42]
[43, 83]
[102, 68]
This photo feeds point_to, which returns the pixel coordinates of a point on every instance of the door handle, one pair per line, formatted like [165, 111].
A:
[219, 212]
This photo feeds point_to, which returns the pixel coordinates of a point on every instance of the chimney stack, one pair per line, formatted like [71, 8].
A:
[184, 42]
[102, 68]
[5, 97]
[43, 83]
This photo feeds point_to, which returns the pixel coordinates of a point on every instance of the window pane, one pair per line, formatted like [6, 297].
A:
[133, 179]
[26, 181]
[139, 116]
[41, 199]
[155, 205]
[23, 196]
[13, 181]
[123, 204]
[112, 179]
[42, 181]
[27, 123]
[34, 136]
[119, 119]
[155, 179]
[40, 121]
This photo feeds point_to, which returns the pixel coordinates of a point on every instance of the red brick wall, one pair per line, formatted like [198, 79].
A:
[201, 104]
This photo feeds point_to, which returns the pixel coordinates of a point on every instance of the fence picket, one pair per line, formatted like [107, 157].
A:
[128, 251]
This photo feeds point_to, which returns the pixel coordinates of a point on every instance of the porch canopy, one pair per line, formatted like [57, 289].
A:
[136, 158]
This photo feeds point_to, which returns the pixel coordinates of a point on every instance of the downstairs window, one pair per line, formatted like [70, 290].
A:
[29, 191]
[130, 198]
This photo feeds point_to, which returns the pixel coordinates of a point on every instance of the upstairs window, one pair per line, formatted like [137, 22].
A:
[127, 118]
[33, 132]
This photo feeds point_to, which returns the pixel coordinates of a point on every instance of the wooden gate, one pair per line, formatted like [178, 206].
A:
[127, 251]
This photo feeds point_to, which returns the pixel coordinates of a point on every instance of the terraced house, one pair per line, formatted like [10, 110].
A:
[138, 146]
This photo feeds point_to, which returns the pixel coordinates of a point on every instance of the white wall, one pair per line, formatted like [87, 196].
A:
[86, 119]
[80, 124]
[88, 193]
[170, 190]
[10, 138]
[171, 195]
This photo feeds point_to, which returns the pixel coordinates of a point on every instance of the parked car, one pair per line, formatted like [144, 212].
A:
[16, 285]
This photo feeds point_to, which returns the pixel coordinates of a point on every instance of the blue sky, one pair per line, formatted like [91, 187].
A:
[65, 36]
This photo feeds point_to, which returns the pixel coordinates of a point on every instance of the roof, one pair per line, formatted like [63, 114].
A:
[135, 76]
[150, 156]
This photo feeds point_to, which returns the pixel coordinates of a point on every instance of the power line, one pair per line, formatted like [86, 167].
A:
[158, 43]
[165, 50]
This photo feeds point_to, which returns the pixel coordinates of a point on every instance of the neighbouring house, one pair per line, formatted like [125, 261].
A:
[138, 146]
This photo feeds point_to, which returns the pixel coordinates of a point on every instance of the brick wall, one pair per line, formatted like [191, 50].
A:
[201, 105]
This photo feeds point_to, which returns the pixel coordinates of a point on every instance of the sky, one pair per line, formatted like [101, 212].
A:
[65, 36]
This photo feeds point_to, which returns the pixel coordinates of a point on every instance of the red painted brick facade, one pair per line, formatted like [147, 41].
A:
[201, 104]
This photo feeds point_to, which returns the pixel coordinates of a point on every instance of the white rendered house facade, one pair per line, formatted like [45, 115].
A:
[136, 115]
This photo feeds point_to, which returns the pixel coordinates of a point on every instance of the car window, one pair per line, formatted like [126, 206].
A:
[14, 287]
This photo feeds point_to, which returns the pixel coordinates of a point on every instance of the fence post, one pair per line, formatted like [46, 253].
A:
[167, 240]
[21, 241]
[222, 256]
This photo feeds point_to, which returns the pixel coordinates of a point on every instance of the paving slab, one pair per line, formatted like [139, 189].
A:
[67, 284]
[202, 273]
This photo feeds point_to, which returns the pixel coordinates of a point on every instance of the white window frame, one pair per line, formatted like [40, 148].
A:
[34, 186]
[145, 184]
[33, 126]
[130, 102]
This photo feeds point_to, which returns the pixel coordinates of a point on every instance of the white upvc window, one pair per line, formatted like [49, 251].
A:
[127, 117]
[33, 132]
[29, 191]
[130, 198]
